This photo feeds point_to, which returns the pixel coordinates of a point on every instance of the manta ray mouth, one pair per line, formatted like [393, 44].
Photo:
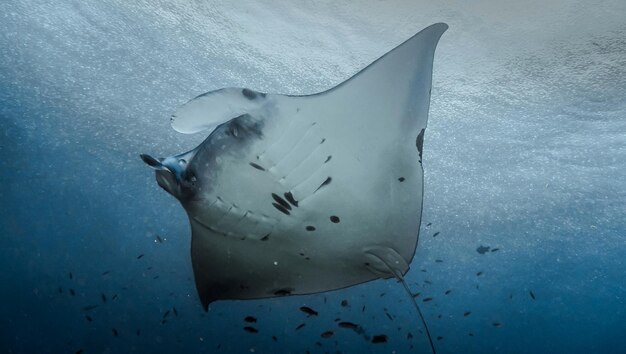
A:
[166, 176]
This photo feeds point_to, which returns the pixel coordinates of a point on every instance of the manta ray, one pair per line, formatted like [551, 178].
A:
[293, 195]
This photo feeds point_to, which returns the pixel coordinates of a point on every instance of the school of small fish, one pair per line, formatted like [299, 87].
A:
[251, 323]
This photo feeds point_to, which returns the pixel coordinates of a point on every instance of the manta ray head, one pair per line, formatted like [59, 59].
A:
[173, 175]
[188, 175]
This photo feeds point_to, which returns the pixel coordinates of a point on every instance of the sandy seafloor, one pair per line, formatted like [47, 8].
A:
[525, 152]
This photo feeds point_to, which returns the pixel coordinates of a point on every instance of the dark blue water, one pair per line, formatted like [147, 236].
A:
[528, 160]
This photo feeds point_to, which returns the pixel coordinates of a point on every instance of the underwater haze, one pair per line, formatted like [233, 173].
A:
[523, 237]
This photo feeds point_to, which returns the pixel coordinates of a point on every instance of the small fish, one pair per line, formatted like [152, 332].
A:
[363, 308]
[166, 313]
[274, 339]
[470, 334]
[60, 290]
[389, 316]
[497, 324]
[115, 333]
[532, 294]
[438, 260]
[428, 282]
[483, 249]
[140, 256]
[416, 294]
[309, 311]
[427, 299]
[300, 326]
[159, 239]
[104, 298]
[106, 272]
[71, 275]
[428, 225]
[479, 274]
[250, 329]
[344, 303]
[89, 307]
[409, 336]
[495, 250]
[72, 292]
[174, 311]
[448, 292]
[250, 319]
[138, 333]
[348, 325]
[327, 334]
[79, 351]
[163, 321]
[88, 318]
[337, 319]
[381, 338]
[435, 234]
[467, 313]
[155, 277]
[439, 338]
[382, 294]
[114, 297]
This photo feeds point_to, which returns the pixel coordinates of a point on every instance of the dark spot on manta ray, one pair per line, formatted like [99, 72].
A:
[291, 200]
[420, 143]
[310, 228]
[281, 201]
[483, 249]
[344, 303]
[281, 208]
[325, 183]
[401, 179]
[284, 291]
[380, 338]
[260, 168]
[334, 219]
[249, 94]
[328, 158]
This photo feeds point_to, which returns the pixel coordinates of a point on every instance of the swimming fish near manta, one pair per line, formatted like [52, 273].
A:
[294, 195]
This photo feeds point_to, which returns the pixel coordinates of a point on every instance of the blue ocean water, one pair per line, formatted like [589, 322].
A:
[525, 154]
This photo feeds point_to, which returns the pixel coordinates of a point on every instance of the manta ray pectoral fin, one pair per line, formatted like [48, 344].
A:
[211, 109]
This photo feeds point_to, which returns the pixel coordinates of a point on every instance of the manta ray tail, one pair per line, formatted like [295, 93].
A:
[398, 275]
[408, 291]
